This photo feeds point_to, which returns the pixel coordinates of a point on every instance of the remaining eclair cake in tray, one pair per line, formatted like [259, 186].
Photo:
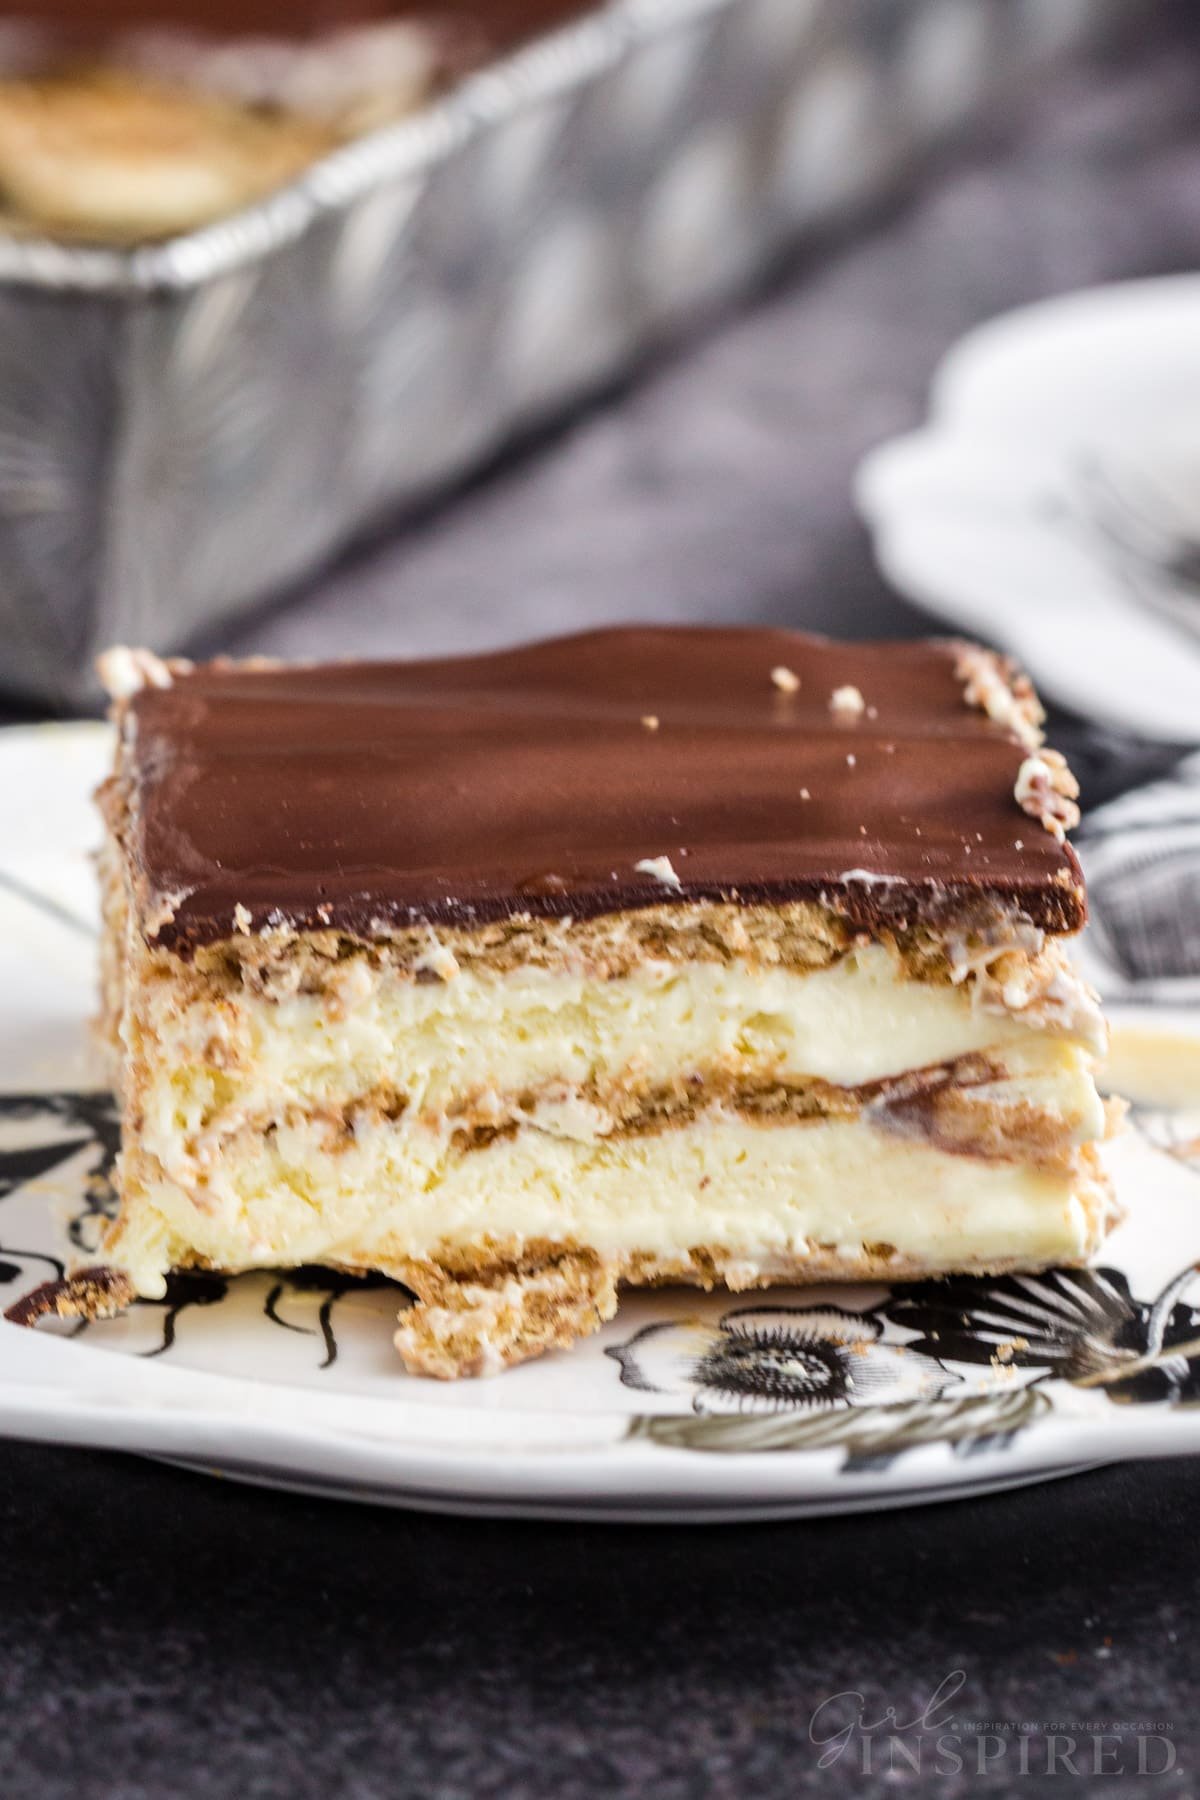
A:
[138, 119]
[717, 956]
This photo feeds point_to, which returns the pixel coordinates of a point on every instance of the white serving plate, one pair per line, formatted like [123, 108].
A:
[291, 1380]
[1052, 501]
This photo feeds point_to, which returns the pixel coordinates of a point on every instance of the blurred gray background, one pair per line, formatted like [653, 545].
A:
[717, 486]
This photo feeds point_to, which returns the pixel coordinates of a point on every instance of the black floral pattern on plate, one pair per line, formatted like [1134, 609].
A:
[190, 1288]
[792, 1378]
[779, 1358]
[76, 1121]
[85, 1119]
[810, 1377]
[1077, 1325]
[331, 1285]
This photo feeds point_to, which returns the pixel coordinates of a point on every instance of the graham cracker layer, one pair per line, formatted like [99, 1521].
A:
[969, 1107]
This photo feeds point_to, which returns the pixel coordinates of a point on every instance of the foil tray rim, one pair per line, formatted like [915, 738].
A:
[554, 63]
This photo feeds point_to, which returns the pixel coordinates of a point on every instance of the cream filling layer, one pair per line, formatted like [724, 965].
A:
[212, 1064]
[400, 1192]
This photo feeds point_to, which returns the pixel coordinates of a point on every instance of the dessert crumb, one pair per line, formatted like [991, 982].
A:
[1005, 695]
[1047, 791]
[650, 721]
[785, 679]
[661, 869]
[848, 702]
[123, 672]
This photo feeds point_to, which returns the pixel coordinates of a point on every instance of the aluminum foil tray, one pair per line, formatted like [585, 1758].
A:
[189, 427]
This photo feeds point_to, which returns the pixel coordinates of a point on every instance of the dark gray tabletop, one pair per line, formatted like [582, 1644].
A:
[161, 1634]
[165, 1635]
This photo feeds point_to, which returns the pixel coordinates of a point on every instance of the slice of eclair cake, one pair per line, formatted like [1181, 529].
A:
[717, 956]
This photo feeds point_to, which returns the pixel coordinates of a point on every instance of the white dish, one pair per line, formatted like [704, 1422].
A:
[292, 1380]
[1051, 504]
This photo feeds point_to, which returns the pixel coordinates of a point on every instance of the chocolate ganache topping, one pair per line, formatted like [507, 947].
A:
[622, 768]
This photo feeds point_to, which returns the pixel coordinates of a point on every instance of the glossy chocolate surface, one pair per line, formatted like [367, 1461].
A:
[528, 781]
